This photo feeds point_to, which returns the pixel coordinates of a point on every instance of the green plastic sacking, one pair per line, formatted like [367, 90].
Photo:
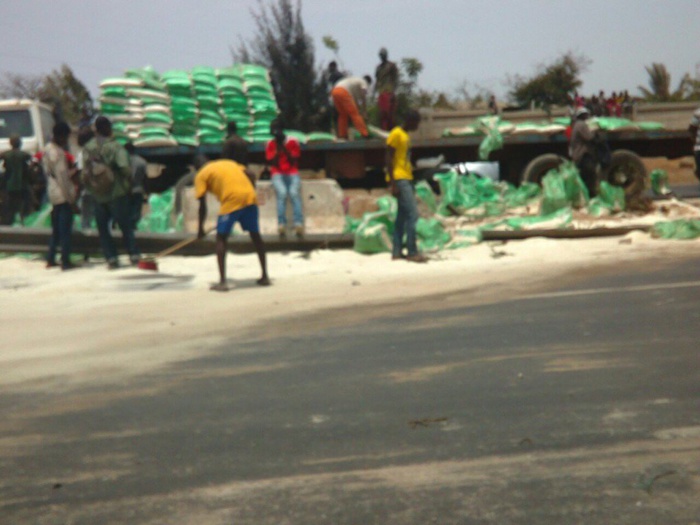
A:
[610, 199]
[351, 224]
[520, 196]
[563, 187]
[431, 234]
[465, 239]
[425, 194]
[492, 142]
[659, 181]
[372, 238]
[558, 219]
[682, 229]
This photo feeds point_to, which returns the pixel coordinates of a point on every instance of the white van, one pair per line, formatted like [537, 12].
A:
[32, 120]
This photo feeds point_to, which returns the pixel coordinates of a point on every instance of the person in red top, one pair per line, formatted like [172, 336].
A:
[282, 154]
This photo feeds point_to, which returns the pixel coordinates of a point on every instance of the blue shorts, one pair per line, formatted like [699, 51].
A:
[247, 217]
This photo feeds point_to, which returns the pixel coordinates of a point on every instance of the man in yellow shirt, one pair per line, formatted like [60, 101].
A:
[400, 178]
[234, 187]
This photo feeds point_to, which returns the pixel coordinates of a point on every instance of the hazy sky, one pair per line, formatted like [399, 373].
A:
[482, 42]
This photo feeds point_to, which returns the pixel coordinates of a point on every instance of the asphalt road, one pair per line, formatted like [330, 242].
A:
[579, 403]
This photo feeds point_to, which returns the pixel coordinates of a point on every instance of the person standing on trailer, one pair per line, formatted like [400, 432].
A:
[350, 100]
[386, 81]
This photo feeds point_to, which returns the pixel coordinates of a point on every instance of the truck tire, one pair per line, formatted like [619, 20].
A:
[627, 171]
[538, 167]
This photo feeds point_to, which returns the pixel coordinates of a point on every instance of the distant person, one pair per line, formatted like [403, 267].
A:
[493, 105]
[282, 155]
[15, 183]
[386, 78]
[235, 147]
[63, 196]
[234, 187]
[583, 151]
[350, 100]
[138, 177]
[694, 130]
[400, 179]
[333, 75]
[113, 201]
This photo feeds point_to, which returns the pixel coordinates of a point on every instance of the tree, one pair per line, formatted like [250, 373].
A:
[660, 85]
[283, 46]
[407, 95]
[552, 83]
[60, 88]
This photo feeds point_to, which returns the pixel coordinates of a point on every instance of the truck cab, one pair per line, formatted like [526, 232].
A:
[32, 120]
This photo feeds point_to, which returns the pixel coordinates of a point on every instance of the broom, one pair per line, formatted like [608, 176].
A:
[149, 262]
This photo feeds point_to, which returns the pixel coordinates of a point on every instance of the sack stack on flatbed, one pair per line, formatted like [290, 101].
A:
[189, 108]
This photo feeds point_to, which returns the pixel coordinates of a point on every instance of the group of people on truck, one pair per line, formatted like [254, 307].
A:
[349, 96]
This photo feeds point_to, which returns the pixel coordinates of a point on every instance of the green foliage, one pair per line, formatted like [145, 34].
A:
[283, 46]
[331, 43]
[407, 96]
[60, 88]
[660, 86]
[552, 83]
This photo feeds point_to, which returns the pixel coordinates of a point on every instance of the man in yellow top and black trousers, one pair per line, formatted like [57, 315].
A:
[400, 178]
[234, 187]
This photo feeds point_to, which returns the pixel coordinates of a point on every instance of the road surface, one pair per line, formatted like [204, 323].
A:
[574, 403]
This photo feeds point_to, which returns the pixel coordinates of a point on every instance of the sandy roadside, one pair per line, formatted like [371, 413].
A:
[92, 325]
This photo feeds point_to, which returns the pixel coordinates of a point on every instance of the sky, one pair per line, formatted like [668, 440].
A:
[478, 42]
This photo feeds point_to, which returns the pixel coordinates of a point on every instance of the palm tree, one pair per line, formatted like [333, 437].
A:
[660, 85]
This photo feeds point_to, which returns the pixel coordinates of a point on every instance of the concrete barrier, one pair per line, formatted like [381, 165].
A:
[322, 202]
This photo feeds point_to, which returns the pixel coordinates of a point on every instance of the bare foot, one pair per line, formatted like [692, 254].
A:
[264, 281]
[219, 287]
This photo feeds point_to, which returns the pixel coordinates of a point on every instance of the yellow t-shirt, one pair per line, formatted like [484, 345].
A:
[228, 182]
[401, 142]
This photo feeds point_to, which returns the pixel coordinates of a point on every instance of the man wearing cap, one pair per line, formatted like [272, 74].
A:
[386, 80]
[583, 151]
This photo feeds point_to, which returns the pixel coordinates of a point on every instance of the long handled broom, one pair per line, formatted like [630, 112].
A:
[150, 263]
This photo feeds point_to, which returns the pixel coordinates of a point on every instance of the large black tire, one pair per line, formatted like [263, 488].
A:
[539, 166]
[628, 171]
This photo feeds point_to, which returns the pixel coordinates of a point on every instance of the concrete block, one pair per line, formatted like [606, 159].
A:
[359, 202]
[322, 202]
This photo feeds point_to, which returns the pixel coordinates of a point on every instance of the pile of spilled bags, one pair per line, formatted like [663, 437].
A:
[159, 217]
[469, 198]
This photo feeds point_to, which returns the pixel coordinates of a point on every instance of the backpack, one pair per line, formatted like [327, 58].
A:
[98, 176]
